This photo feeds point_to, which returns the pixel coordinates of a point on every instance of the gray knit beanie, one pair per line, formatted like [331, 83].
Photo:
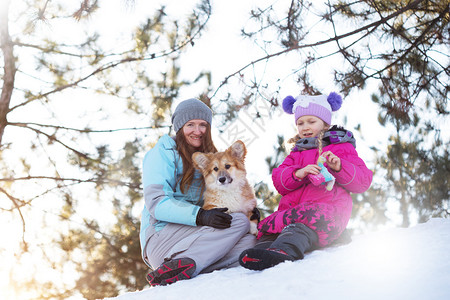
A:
[191, 109]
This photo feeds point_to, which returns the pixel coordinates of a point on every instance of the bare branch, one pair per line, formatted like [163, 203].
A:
[17, 207]
[113, 64]
[52, 50]
[86, 130]
[75, 180]
[53, 138]
[343, 50]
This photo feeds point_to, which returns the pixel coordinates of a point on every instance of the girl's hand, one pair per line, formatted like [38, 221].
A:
[333, 161]
[309, 169]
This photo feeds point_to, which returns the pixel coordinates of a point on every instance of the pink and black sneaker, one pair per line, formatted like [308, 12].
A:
[171, 271]
[260, 259]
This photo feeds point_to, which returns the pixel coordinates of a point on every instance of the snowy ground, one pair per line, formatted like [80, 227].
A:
[411, 263]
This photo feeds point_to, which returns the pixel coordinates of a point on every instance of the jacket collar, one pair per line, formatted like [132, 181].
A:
[168, 142]
[335, 135]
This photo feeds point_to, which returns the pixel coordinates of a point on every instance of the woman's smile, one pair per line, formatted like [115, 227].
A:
[194, 131]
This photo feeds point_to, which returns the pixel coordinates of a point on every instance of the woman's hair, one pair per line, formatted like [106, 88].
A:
[185, 150]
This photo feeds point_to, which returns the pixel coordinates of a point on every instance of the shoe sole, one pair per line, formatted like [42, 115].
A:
[172, 271]
[260, 259]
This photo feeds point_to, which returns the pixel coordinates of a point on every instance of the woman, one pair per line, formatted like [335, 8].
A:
[179, 239]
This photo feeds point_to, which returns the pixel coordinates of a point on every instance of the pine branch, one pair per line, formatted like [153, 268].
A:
[319, 43]
[413, 44]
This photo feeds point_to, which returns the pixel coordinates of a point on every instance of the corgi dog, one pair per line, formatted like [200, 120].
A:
[226, 183]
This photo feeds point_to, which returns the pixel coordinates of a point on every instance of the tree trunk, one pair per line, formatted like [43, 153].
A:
[402, 182]
[9, 68]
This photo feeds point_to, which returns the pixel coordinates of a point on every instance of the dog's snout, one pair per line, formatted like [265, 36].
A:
[224, 178]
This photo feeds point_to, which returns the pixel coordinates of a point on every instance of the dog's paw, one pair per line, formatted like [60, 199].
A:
[253, 228]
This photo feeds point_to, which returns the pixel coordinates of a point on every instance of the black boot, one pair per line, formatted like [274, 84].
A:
[171, 271]
[296, 239]
[260, 259]
[344, 239]
[289, 245]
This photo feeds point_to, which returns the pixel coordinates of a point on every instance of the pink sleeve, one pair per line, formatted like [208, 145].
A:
[284, 179]
[354, 176]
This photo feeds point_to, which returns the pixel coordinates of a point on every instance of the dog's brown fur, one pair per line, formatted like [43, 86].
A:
[226, 182]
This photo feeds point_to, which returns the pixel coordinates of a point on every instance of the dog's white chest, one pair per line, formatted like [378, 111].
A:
[233, 200]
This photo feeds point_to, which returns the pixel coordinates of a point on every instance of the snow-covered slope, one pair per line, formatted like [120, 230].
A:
[411, 263]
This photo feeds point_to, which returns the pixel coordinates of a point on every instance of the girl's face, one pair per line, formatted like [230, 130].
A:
[310, 126]
[193, 131]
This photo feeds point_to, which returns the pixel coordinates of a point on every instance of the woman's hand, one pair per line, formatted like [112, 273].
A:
[333, 161]
[309, 169]
[215, 217]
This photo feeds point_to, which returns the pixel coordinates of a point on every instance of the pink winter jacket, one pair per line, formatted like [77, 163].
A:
[326, 212]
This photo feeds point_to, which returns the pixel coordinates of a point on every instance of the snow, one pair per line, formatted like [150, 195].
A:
[402, 263]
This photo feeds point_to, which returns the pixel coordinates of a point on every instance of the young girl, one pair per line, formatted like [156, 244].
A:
[311, 212]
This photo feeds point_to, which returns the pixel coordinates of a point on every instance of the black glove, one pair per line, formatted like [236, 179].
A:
[215, 217]
[256, 215]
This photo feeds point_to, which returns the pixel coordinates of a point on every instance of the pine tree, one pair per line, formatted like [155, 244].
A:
[76, 114]
[400, 46]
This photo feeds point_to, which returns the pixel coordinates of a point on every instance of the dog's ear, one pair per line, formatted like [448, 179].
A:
[200, 160]
[238, 150]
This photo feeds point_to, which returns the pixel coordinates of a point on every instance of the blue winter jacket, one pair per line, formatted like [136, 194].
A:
[164, 202]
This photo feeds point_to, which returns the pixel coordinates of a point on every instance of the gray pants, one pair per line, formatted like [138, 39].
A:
[210, 248]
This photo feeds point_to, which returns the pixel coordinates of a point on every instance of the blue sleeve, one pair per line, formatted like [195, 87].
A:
[160, 181]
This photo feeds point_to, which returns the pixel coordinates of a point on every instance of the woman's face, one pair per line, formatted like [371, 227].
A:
[310, 126]
[193, 131]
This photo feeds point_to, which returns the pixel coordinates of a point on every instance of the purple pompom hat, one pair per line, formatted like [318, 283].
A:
[319, 106]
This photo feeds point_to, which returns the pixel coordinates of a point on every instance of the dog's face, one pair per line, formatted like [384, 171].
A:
[222, 168]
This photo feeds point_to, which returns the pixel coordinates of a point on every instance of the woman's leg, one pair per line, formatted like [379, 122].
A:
[230, 260]
[204, 245]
